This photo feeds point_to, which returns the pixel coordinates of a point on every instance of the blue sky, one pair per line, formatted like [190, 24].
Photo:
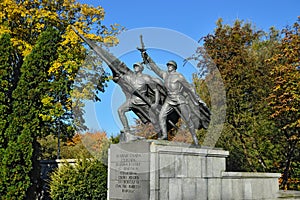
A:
[186, 22]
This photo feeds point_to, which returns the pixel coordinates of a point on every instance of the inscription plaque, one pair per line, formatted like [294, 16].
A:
[129, 176]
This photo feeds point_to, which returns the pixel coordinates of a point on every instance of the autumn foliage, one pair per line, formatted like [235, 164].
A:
[261, 74]
[88, 144]
[38, 74]
[261, 78]
[284, 100]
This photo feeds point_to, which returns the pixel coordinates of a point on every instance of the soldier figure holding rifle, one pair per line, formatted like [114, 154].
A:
[150, 99]
[176, 86]
[136, 88]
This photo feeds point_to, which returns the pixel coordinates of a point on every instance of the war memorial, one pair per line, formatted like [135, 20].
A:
[139, 168]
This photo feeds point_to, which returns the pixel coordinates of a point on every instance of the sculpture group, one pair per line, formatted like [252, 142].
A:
[161, 101]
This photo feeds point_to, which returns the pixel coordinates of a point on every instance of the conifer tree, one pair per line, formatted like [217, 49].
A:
[19, 165]
[6, 74]
[6, 86]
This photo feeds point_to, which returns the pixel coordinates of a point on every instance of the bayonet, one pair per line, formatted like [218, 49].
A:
[119, 70]
[142, 48]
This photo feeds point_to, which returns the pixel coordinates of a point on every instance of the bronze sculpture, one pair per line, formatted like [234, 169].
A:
[181, 97]
[139, 82]
[150, 99]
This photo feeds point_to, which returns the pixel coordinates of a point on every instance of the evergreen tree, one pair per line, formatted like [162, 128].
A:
[7, 61]
[87, 179]
[24, 20]
[6, 76]
[19, 165]
[28, 110]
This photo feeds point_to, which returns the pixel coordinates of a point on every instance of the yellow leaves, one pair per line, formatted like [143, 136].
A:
[115, 27]
[47, 101]
[23, 14]
[55, 67]
[2, 15]
[94, 19]
[69, 65]
[85, 10]
[68, 3]
[10, 7]
[4, 29]
[6, 2]
[29, 18]
[12, 11]
[51, 109]
[277, 87]
[24, 47]
[26, 19]
[94, 37]
[84, 93]
[69, 37]
[45, 117]
[294, 138]
[92, 12]
[39, 27]
[110, 40]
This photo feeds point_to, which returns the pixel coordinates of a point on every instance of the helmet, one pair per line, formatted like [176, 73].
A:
[139, 64]
[172, 62]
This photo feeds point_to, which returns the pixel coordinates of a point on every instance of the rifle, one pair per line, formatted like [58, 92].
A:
[143, 50]
[119, 68]
[107, 57]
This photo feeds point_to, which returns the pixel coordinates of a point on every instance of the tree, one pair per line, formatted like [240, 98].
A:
[7, 61]
[40, 79]
[25, 123]
[284, 100]
[24, 20]
[239, 53]
[89, 144]
[87, 179]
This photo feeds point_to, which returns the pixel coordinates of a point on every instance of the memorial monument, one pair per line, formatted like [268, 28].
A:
[159, 169]
[146, 95]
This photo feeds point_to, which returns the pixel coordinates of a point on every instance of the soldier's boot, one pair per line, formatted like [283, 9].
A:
[123, 134]
[195, 139]
[162, 135]
[163, 125]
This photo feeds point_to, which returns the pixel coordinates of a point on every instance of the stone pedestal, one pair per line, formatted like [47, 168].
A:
[166, 170]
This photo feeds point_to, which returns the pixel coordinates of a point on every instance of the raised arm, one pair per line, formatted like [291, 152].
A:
[148, 61]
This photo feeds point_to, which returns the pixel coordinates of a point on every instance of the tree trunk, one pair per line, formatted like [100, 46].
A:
[34, 191]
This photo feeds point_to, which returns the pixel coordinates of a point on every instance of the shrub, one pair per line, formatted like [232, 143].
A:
[87, 179]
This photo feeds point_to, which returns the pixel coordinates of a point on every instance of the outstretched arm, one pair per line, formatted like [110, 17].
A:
[153, 66]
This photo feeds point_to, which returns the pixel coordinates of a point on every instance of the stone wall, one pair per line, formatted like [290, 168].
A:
[166, 170]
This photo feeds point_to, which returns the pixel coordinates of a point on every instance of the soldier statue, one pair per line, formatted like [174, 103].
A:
[179, 96]
[156, 101]
[136, 86]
